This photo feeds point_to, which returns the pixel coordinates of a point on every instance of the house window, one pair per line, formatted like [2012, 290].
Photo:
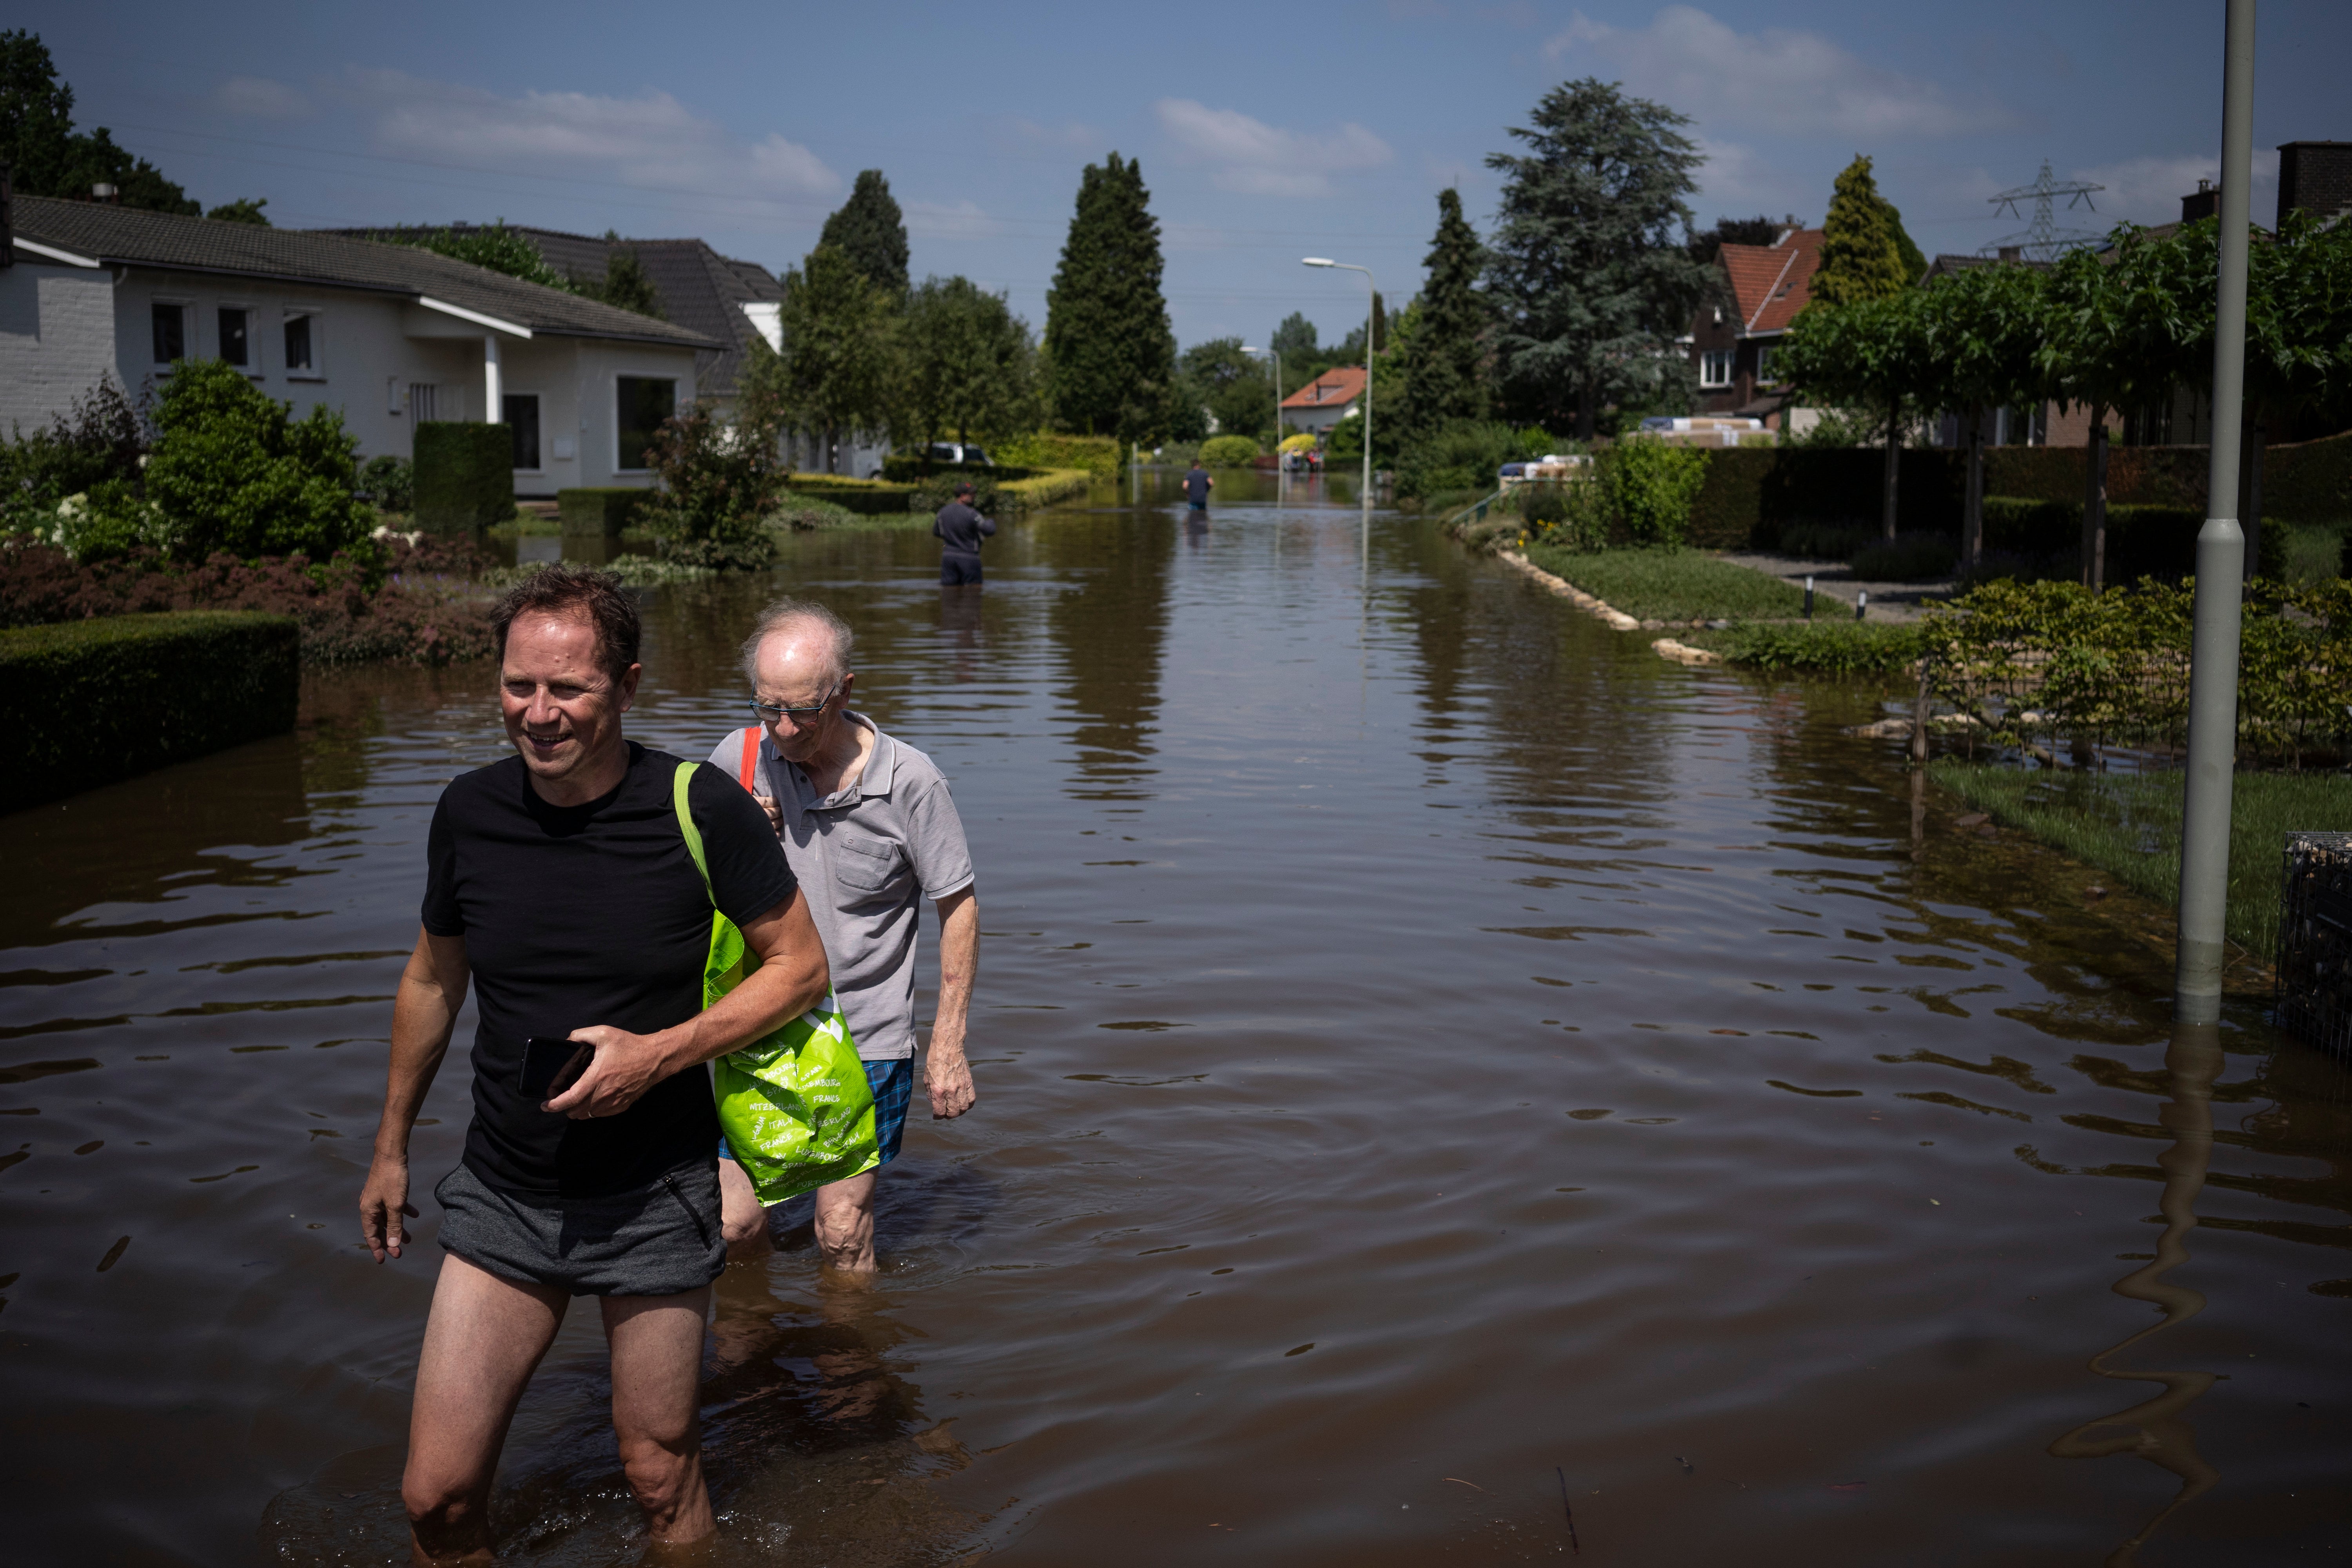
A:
[301, 346]
[171, 334]
[1715, 367]
[1764, 365]
[642, 403]
[235, 344]
[521, 411]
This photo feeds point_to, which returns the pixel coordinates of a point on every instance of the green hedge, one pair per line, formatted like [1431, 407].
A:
[89, 702]
[599, 512]
[465, 475]
[910, 471]
[1047, 449]
[862, 495]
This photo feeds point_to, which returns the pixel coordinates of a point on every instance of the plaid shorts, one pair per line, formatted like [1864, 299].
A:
[894, 1086]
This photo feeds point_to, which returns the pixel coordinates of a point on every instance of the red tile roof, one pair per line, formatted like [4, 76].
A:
[1339, 385]
[1771, 283]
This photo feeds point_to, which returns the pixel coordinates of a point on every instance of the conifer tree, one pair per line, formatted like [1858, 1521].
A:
[871, 232]
[1107, 341]
[1444, 371]
[1860, 259]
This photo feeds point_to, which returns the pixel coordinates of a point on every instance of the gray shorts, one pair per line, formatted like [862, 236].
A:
[660, 1240]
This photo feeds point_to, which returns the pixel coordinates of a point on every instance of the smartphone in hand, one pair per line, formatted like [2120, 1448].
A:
[550, 1066]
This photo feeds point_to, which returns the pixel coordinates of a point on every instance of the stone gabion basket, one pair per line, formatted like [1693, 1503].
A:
[2315, 941]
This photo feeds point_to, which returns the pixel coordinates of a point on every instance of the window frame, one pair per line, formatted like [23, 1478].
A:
[186, 306]
[614, 404]
[316, 369]
[1727, 358]
[1764, 364]
[251, 366]
[538, 425]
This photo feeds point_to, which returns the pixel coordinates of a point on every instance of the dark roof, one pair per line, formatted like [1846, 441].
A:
[125, 236]
[700, 291]
[1947, 264]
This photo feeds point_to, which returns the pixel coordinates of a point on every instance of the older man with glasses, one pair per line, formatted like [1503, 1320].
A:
[870, 831]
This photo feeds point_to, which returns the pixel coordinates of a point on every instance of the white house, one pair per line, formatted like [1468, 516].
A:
[1325, 400]
[390, 336]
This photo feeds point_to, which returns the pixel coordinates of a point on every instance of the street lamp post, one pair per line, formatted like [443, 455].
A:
[1370, 305]
[1280, 473]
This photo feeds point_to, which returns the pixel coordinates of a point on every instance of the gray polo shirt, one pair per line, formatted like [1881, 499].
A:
[866, 857]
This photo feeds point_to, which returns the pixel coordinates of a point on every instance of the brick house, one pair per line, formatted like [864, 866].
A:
[1732, 337]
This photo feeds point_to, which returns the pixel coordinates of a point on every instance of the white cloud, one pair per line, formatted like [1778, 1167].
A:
[258, 97]
[1777, 79]
[2149, 190]
[652, 142]
[1737, 181]
[1257, 159]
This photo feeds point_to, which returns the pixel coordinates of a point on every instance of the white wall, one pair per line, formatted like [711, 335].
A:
[57, 339]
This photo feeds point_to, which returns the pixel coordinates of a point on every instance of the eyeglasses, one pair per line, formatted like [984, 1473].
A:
[771, 711]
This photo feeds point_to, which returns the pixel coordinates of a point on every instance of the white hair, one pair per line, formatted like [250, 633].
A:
[787, 612]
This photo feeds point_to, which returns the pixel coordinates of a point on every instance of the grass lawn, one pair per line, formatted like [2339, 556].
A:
[1672, 584]
[2129, 826]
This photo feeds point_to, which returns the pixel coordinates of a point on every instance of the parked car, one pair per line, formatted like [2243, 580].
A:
[957, 452]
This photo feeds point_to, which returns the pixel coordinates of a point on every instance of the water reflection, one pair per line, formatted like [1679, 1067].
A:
[2157, 1429]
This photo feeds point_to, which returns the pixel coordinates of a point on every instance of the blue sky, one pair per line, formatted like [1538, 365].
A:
[1266, 134]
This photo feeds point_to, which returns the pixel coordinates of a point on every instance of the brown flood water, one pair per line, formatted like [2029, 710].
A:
[1434, 1055]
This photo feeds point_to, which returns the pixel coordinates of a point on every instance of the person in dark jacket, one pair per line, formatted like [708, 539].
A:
[959, 528]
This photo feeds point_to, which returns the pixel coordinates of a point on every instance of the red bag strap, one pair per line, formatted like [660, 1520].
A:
[749, 776]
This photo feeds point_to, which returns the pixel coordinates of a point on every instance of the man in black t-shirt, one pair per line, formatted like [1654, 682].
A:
[959, 527]
[1197, 486]
[560, 887]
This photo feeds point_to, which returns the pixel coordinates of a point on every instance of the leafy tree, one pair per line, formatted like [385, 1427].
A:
[1860, 259]
[1707, 243]
[625, 284]
[245, 209]
[49, 157]
[1984, 331]
[870, 230]
[1591, 282]
[1294, 341]
[839, 367]
[1444, 360]
[1872, 353]
[493, 245]
[1233, 387]
[1107, 335]
[715, 493]
[971, 363]
[232, 470]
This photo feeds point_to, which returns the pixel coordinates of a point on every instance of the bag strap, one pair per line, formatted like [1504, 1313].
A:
[748, 775]
[685, 776]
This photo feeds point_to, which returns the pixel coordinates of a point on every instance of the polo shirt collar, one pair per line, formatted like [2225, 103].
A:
[881, 763]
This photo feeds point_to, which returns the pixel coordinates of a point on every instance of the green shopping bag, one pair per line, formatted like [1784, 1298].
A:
[796, 1107]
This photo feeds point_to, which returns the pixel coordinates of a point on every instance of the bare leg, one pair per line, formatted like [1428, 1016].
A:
[657, 1379]
[741, 1218]
[482, 1341]
[845, 1224]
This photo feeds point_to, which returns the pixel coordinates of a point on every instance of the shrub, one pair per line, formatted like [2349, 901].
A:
[232, 470]
[715, 493]
[1573, 515]
[1047, 449]
[465, 475]
[389, 482]
[1823, 647]
[904, 470]
[2310, 556]
[937, 490]
[1906, 558]
[805, 514]
[93, 702]
[1228, 451]
[1650, 487]
[1459, 455]
[595, 511]
[100, 439]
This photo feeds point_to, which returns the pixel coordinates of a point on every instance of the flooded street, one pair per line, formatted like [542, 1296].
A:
[1440, 1065]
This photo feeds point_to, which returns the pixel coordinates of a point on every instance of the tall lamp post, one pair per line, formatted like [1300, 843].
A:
[1275, 354]
[1369, 303]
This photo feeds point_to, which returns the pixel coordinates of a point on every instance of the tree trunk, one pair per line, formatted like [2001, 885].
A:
[1972, 514]
[2250, 496]
[1893, 462]
[2095, 502]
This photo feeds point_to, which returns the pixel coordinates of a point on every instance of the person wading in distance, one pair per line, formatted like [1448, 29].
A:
[959, 529]
[1197, 486]
[871, 831]
[559, 884]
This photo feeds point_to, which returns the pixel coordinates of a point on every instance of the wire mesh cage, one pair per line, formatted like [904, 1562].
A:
[2314, 995]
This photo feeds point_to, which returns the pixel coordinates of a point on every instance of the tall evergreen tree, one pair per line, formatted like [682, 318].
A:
[1587, 263]
[871, 232]
[49, 157]
[1860, 259]
[1294, 341]
[1107, 336]
[1444, 356]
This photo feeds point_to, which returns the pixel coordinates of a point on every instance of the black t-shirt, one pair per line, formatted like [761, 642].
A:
[960, 528]
[1196, 486]
[591, 914]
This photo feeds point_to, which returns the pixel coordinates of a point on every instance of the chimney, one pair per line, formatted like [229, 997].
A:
[2315, 177]
[2206, 203]
[2013, 254]
[8, 218]
[102, 192]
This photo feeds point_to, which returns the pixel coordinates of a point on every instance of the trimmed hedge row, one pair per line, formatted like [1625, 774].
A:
[89, 702]
[599, 512]
[908, 470]
[866, 496]
[465, 475]
[1751, 493]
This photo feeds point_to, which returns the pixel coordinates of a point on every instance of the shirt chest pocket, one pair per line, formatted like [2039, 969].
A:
[866, 864]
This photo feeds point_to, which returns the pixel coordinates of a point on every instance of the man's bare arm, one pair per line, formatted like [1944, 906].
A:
[946, 1074]
[424, 1011]
[791, 979]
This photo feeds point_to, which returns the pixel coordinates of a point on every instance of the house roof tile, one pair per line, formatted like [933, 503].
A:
[1771, 283]
[125, 236]
[1339, 384]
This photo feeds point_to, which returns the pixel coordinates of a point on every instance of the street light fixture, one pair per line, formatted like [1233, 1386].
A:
[1370, 304]
[1276, 356]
